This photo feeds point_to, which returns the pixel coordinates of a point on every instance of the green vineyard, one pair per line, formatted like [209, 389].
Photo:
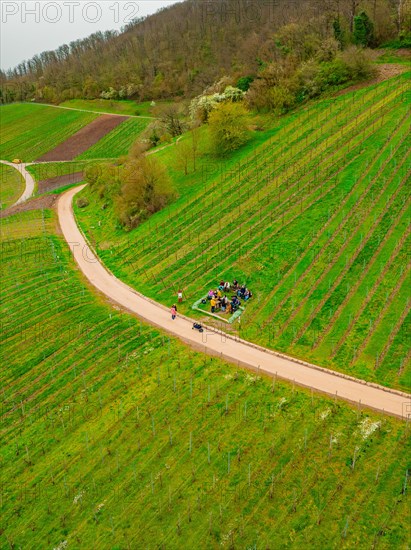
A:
[117, 436]
[29, 131]
[315, 221]
[117, 142]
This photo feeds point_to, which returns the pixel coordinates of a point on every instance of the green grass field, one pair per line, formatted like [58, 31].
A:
[314, 220]
[11, 185]
[117, 142]
[117, 436]
[29, 131]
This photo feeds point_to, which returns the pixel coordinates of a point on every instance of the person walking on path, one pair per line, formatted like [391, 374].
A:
[180, 296]
[173, 312]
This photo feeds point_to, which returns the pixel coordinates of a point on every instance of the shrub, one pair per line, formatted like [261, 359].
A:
[103, 179]
[166, 138]
[145, 189]
[331, 74]
[136, 150]
[403, 41]
[309, 80]
[282, 98]
[358, 63]
[351, 65]
[111, 93]
[228, 129]
[154, 138]
[327, 50]
[82, 202]
[244, 83]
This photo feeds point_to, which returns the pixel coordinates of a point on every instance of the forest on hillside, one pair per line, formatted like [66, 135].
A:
[183, 49]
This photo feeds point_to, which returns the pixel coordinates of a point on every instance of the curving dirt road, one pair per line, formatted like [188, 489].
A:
[28, 178]
[237, 351]
[47, 202]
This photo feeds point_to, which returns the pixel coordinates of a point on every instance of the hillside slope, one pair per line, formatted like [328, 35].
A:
[314, 221]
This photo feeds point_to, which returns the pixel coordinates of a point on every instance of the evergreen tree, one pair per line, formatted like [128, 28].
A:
[338, 33]
[244, 83]
[363, 32]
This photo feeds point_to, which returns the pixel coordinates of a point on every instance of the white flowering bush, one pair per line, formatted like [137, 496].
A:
[111, 93]
[201, 106]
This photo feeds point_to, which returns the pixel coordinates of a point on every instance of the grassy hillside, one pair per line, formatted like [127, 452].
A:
[117, 142]
[28, 131]
[115, 436]
[11, 185]
[315, 221]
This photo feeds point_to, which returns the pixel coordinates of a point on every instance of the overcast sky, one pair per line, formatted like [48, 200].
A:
[33, 26]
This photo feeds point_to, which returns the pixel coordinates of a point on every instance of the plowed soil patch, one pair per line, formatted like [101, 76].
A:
[34, 204]
[59, 181]
[84, 138]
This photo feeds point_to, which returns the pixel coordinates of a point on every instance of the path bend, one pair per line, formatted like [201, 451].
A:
[28, 179]
[240, 352]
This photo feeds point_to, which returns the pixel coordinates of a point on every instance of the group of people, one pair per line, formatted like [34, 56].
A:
[219, 300]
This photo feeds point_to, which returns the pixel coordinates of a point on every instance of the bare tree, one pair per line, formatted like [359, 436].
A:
[171, 117]
[352, 12]
[183, 155]
[195, 138]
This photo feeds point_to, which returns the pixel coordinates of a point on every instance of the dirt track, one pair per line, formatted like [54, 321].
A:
[28, 178]
[236, 351]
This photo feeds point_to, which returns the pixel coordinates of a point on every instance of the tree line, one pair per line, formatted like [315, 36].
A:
[184, 48]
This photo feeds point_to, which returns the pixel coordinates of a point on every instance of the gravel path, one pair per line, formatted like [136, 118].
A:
[234, 350]
[28, 178]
